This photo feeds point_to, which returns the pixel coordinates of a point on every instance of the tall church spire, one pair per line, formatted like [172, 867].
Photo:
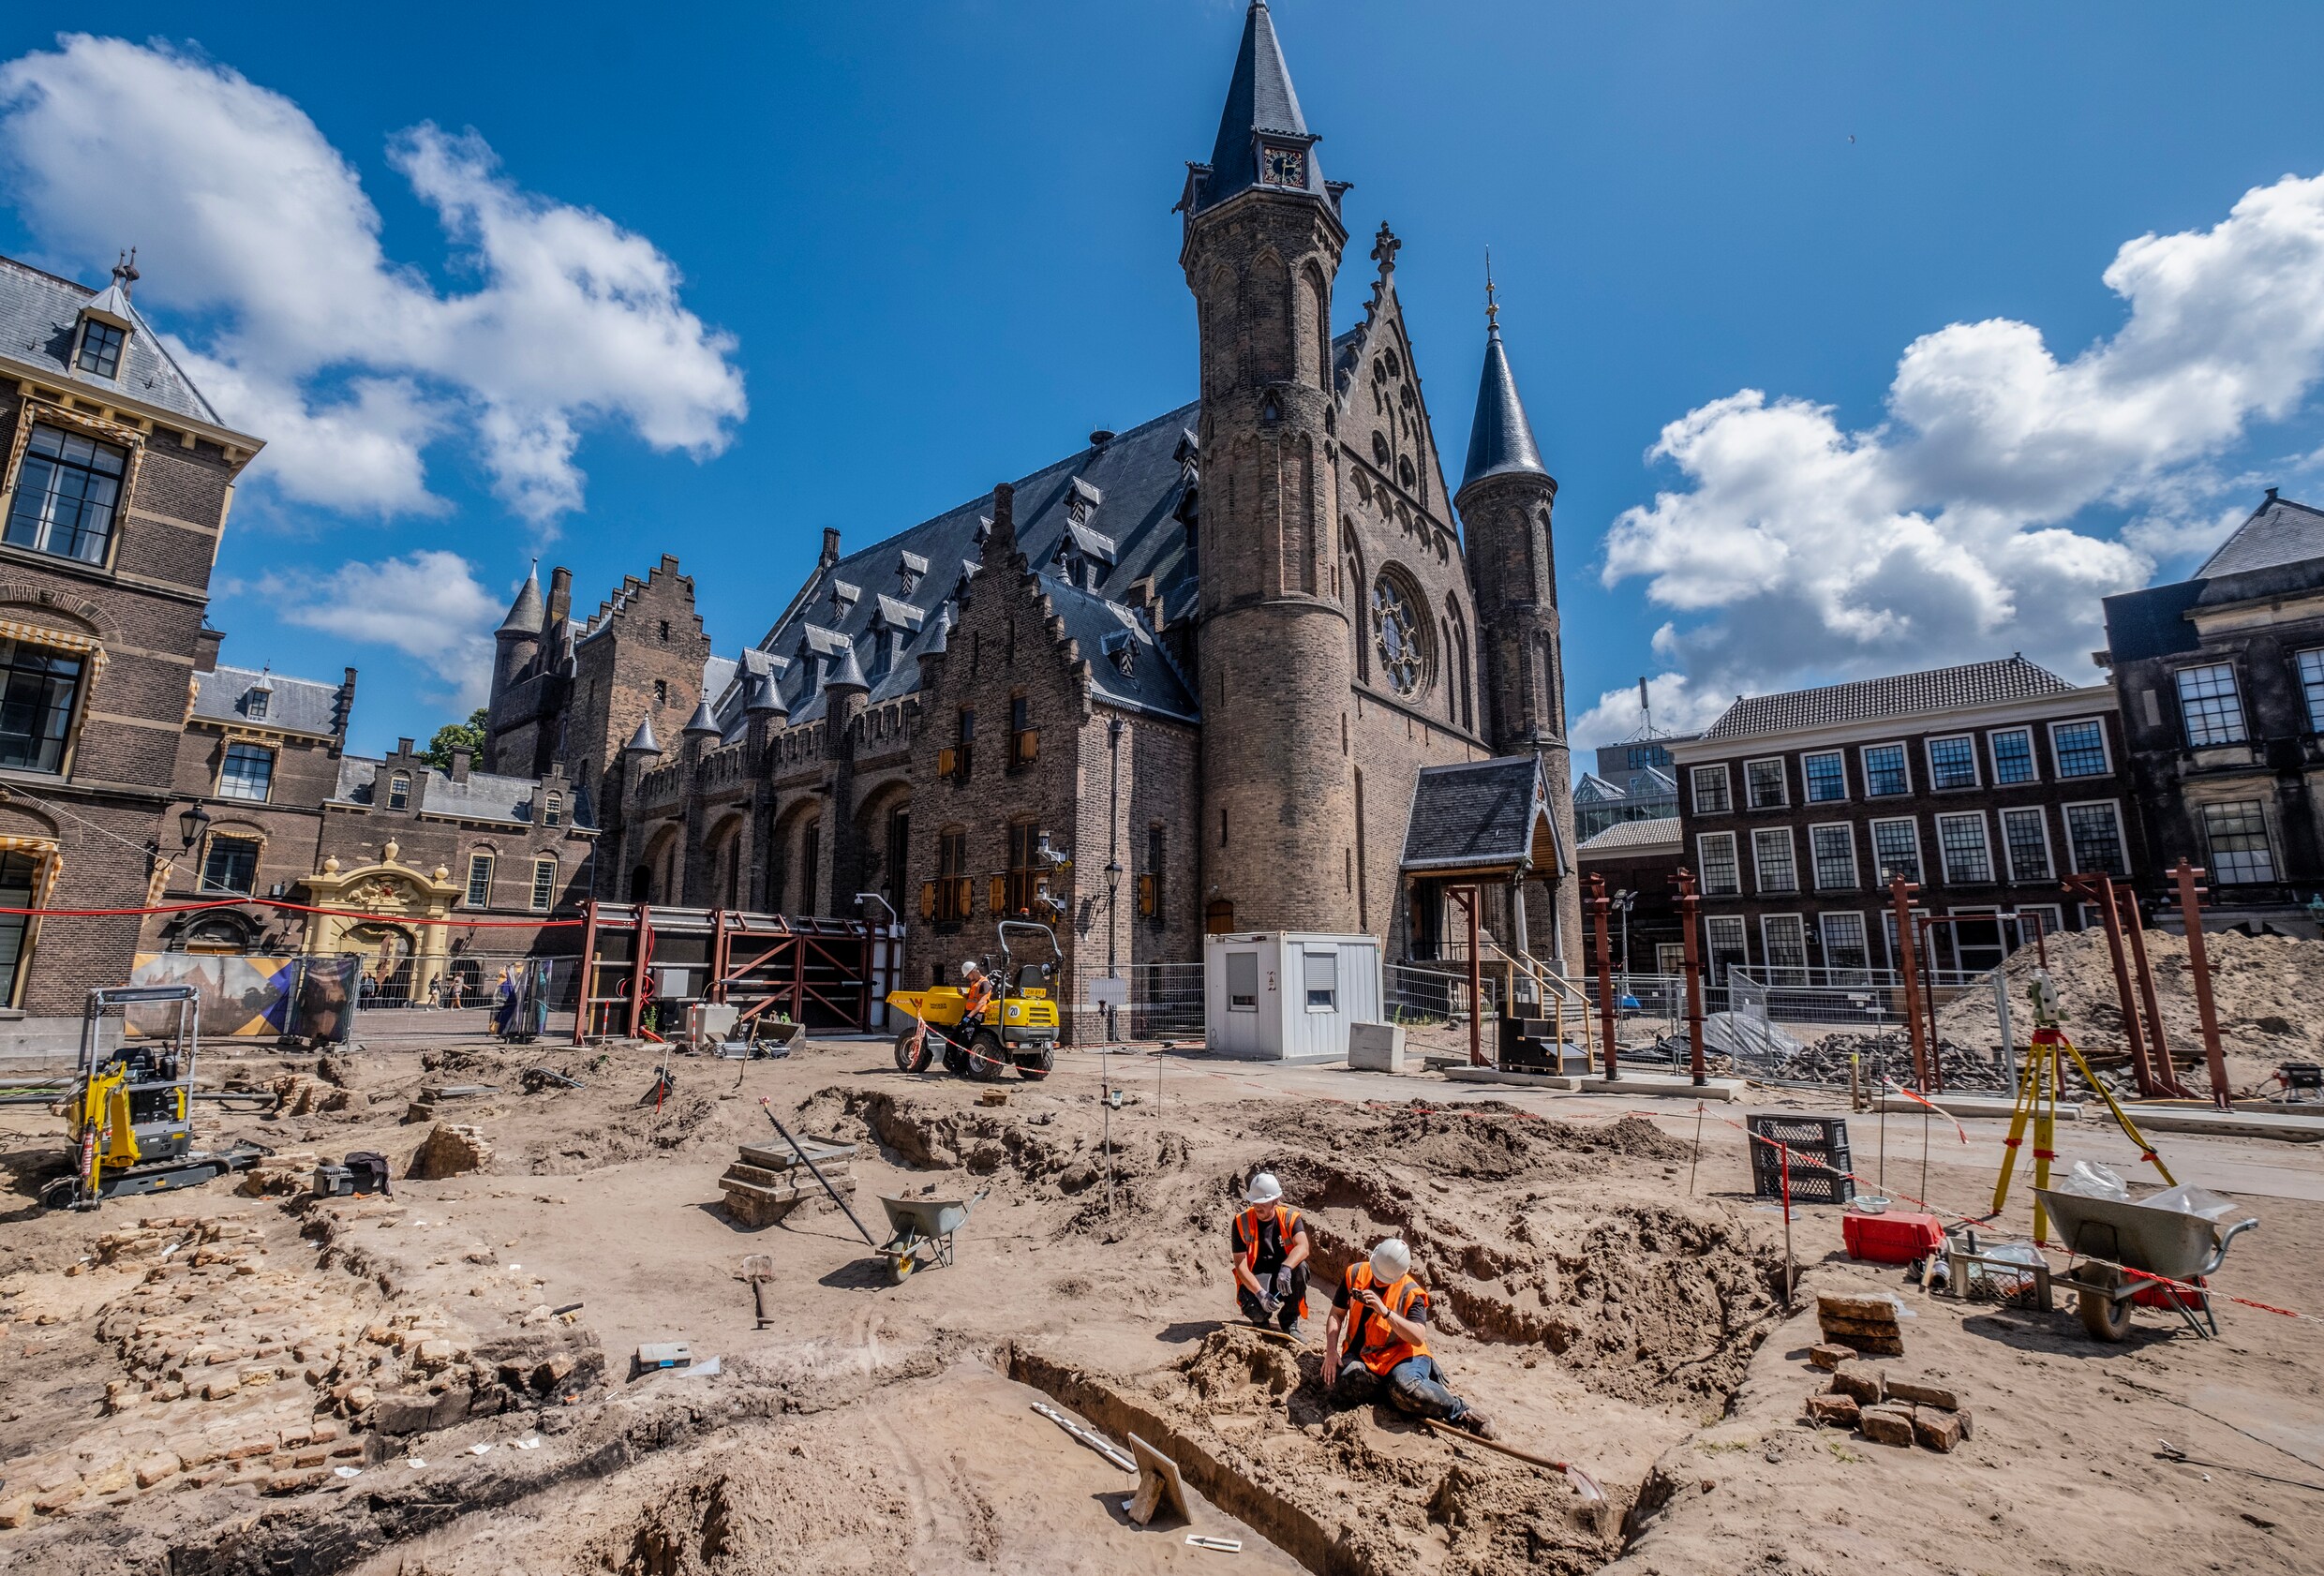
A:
[1500, 439]
[1264, 140]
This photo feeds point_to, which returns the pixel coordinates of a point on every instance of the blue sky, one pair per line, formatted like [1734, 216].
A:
[850, 266]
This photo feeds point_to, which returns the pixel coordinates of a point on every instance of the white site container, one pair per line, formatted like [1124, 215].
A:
[1282, 996]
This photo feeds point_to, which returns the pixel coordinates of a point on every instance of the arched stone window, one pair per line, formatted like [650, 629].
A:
[1401, 633]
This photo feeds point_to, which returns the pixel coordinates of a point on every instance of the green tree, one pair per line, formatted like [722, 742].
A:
[469, 735]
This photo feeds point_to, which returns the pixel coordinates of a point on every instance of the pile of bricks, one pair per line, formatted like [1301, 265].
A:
[767, 1181]
[1886, 1409]
[1864, 1324]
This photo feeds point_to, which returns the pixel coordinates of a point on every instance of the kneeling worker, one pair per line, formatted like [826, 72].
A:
[1271, 1250]
[1375, 1343]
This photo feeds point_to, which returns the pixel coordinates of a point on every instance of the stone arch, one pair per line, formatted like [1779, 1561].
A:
[884, 835]
[1357, 594]
[1314, 324]
[1459, 659]
[789, 882]
[1222, 315]
[724, 856]
[1275, 338]
[659, 863]
[1402, 632]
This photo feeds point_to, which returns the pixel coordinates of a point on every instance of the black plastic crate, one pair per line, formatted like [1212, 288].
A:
[1819, 1146]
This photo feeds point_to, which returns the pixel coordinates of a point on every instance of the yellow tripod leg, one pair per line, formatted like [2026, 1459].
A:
[2018, 1116]
[2121, 1117]
[2045, 1137]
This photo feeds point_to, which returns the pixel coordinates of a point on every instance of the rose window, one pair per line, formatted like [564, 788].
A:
[1397, 636]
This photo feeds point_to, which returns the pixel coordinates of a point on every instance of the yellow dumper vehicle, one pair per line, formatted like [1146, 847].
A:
[1018, 1026]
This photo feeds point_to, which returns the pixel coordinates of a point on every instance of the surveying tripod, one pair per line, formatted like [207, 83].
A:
[2037, 1101]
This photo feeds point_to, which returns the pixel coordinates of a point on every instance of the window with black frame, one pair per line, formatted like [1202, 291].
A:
[100, 347]
[230, 863]
[247, 773]
[37, 686]
[18, 875]
[66, 489]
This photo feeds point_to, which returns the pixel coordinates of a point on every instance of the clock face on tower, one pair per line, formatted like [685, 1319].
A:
[1283, 167]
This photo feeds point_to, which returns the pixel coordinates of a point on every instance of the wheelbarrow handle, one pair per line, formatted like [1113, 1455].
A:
[2219, 1254]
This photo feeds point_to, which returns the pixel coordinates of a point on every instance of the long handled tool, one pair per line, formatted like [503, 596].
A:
[757, 1270]
[1584, 1485]
[767, 1106]
[1101, 1446]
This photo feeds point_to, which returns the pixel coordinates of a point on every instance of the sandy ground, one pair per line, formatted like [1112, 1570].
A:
[1609, 1293]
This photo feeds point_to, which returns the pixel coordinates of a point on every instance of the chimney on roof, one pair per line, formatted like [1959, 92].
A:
[831, 547]
[560, 595]
[460, 758]
[206, 648]
[2270, 494]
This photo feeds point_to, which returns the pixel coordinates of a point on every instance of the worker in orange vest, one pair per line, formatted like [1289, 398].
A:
[975, 992]
[1271, 1250]
[1375, 1343]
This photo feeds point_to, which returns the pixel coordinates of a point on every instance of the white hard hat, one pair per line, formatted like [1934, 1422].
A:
[1391, 1261]
[968, 967]
[1264, 1189]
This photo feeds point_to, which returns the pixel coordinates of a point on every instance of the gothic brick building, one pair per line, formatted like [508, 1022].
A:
[1185, 678]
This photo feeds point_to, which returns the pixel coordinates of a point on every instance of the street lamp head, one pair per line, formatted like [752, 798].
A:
[191, 823]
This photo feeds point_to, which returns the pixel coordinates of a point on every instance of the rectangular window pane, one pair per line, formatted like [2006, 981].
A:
[1320, 976]
[1896, 850]
[1952, 762]
[2094, 836]
[66, 490]
[248, 774]
[1765, 779]
[1710, 789]
[2238, 834]
[1884, 772]
[1786, 935]
[2312, 688]
[36, 690]
[17, 874]
[1721, 878]
[1828, 777]
[2209, 702]
[2081, 748]
[230, 865]
[1771, 861]
[100, 348]
[479, 880]
[1967, 856]
[1834, 850]
[2013, 757]
[543, 883]
[1722, 944]
[2028, 843]
[1844, 943]
[1242, 981]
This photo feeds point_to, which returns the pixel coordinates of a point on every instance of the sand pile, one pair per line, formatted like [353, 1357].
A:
[1487, 1140]
[2268, 991]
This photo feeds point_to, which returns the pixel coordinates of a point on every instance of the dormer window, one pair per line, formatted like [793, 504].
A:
[100, 347]
[911, 568]
[844, 597]
[553, 811]
[1282, 167]
[253, 705]
[398, 792]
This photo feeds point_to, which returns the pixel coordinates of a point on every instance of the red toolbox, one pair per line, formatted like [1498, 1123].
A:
[1892, 1238]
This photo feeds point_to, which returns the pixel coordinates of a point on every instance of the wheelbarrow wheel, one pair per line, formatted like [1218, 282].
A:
[915, 1048]
[900, 1267]
[987, 1059]
[2105, 1315]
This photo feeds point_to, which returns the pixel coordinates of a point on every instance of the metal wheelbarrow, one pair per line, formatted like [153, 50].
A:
[2181, 1244]
[917, 1222]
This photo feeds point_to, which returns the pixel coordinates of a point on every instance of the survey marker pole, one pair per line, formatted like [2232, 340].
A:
[1598, 906]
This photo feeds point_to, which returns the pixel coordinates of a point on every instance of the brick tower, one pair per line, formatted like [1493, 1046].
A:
[1505, 499]
[1263, 237]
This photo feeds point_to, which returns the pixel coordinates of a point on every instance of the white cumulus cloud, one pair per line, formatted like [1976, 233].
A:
[349, 362]
[427, 605]
[1802, 551]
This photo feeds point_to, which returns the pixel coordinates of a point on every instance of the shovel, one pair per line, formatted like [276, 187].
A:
[758, 1268]
[1584, 1485]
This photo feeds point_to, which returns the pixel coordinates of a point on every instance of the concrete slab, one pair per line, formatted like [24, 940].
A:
[1664, 1085]
[1523, 1080]
[1971, 1105]
[2285, 1128]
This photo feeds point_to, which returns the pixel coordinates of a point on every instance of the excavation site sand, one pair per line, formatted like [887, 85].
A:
[219, 1382]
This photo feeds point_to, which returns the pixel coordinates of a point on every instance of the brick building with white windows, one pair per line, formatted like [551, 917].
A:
[2221, 681]
[1983, 784]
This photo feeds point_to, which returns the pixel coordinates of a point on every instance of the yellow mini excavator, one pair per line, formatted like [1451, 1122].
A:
[1018, 1027]
[131, 1107]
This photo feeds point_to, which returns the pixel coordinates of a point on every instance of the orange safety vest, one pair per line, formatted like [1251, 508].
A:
[1380, 1346]
[977, 997]
[1289, 1223]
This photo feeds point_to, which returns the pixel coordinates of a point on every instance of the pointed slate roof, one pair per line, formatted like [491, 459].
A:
[702, 722]
[849, 674]
[643, 741]
[2278, 532]
[1483, 815]
[526, 614]
[1258, 100]
[1500, 439]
